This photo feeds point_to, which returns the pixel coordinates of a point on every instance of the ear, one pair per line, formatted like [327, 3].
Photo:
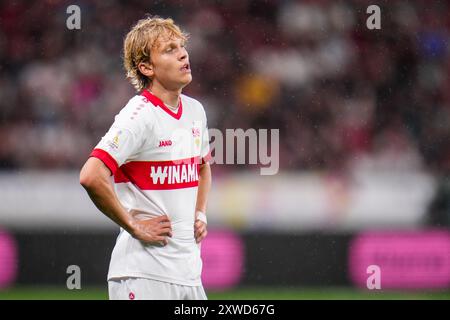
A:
[146, 69]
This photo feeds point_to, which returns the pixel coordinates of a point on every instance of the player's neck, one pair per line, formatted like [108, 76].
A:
[169, 97]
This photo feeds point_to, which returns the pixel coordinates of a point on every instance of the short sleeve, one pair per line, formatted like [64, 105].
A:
[116, 146]
[123, 139]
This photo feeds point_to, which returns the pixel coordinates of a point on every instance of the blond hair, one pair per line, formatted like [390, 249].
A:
[142, 38]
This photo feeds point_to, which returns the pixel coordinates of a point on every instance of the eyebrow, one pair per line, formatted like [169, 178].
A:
[172, 43]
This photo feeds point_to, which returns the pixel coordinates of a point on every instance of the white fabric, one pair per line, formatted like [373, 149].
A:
[148, 289]
[201, 216]
[143, 139]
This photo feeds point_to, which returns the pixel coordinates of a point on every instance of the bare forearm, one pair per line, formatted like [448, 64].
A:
[105, 199]
[204, 185]
[94, 177]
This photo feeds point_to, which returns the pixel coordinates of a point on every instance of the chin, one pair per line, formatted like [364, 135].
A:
[186, 81]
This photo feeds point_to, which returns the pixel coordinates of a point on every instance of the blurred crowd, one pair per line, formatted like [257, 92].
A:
[342, 95]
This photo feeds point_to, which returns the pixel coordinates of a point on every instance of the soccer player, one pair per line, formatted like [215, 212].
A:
[157, 149]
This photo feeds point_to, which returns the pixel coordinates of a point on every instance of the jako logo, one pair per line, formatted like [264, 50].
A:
[165, 143]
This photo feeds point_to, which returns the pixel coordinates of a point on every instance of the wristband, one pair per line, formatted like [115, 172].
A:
[201, 216]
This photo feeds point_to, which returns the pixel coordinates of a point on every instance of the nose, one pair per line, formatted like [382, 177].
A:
[184, 54]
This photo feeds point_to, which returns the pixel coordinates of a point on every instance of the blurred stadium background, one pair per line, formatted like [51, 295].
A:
[364, 119]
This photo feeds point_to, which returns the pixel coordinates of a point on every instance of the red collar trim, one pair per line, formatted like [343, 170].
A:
[159, 103]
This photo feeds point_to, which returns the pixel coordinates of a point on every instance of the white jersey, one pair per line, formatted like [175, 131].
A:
[154, 155]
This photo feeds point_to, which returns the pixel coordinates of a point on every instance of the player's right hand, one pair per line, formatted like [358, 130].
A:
[152, 231]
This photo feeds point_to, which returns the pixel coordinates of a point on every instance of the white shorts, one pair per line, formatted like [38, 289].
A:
[148, 289]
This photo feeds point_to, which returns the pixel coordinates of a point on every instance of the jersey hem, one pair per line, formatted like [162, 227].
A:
[157, 278]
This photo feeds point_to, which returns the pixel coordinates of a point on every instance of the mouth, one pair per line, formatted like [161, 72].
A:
[186, 68]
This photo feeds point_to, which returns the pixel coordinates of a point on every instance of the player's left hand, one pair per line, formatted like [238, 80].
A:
[200, 231]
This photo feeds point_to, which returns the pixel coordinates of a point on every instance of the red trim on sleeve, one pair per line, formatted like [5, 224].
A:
[159, 103]
[106, 158]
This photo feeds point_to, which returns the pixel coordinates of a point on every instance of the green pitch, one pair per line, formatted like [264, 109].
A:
[257, 293]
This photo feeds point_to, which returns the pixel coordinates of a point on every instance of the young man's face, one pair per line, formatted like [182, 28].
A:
[170, 62]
